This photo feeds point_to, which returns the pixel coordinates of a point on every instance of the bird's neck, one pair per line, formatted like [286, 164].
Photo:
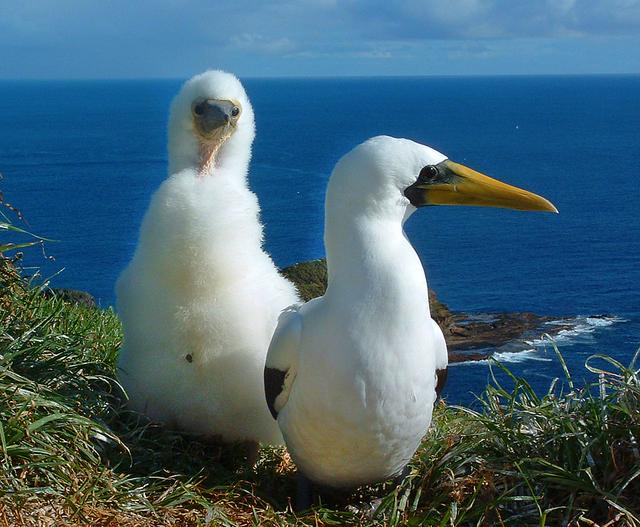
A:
[372, 258]
[232, 158]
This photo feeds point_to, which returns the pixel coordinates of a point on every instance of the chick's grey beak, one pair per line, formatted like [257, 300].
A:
[211, 114]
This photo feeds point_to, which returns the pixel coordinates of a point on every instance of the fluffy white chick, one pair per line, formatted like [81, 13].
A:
[200, 299]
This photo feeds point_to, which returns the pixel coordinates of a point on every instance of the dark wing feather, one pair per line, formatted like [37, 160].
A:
[273, 384]
[441, 376]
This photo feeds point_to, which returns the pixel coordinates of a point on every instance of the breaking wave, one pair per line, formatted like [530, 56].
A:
[574, 330]
[565, 331]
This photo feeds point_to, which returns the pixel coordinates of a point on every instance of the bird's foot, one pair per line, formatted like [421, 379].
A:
[305, 495]
[310, 494]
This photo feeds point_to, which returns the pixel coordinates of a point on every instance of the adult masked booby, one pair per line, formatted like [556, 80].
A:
[200, 299]
[351, 376]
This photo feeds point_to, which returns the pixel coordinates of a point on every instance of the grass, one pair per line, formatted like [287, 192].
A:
[70, 454]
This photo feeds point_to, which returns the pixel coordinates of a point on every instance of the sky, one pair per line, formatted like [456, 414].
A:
[69, 39]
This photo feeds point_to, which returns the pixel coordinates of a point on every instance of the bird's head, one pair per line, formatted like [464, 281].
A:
[211, 123]
[390, 176]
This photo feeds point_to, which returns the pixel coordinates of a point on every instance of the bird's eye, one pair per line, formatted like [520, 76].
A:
[235, 112]
[198, 109]
[429, 172]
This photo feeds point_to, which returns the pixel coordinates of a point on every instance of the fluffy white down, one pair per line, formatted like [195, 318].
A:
[362, 358]
[200, 299]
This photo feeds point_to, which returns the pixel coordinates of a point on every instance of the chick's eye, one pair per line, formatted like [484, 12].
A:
[198, 109]
[235, 112]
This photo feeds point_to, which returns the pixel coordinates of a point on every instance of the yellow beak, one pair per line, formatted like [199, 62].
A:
[450, 183]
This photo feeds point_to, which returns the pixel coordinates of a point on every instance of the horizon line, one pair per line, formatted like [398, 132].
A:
[317, 77]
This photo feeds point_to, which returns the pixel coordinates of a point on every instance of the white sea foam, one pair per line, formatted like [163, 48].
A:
[576, 330]
[520, 355]
[604, 321]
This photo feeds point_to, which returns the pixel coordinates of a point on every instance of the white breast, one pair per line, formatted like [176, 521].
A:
[199, 303]
[364, 391]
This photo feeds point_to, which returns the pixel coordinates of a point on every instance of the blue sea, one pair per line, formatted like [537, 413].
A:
[81, 159]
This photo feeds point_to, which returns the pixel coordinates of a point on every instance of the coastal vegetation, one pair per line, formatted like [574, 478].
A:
[71, 454]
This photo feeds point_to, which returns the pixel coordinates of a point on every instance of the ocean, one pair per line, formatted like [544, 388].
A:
[81, 159]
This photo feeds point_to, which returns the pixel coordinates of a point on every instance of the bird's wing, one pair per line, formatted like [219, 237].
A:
[442, 357]
[282, 359]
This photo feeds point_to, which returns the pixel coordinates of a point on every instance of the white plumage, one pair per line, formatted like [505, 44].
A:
[351, 376]
[200, 299]
[364, 385]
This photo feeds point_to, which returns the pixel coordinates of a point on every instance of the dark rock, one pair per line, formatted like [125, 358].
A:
[471, 331]
[71, 296]
[469, 336]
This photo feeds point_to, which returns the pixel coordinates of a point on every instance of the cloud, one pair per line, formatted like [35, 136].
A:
[312, 23]
[261, 44]
[492, 19]
[174, 37]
